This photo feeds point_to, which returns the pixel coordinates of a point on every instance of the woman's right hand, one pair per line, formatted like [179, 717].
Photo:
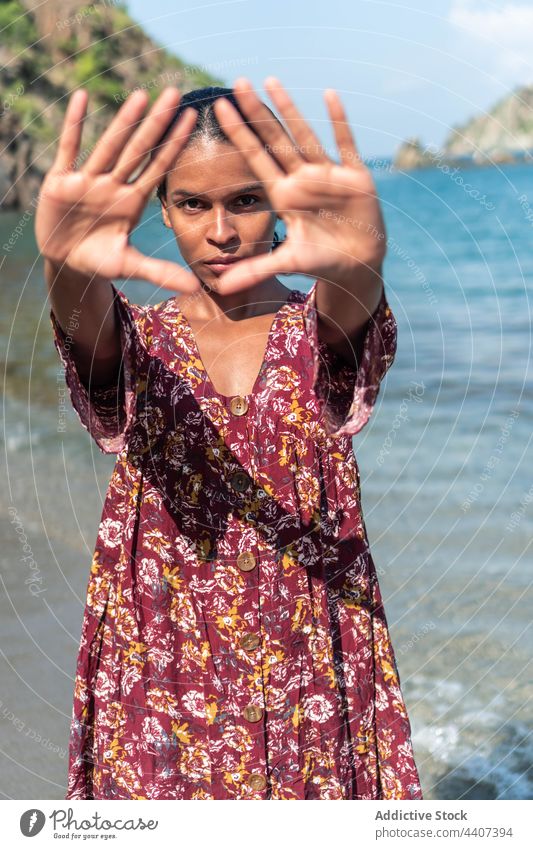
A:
[85, 215]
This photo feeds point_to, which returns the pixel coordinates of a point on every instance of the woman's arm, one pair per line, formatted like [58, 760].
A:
[84, 309]
[85, 217]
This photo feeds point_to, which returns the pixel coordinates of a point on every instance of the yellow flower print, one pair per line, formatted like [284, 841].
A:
[388, 671]
[134, 654]
[331, 676]
[113, 751]
[205, 652]
[297, 716]
[190, 366]
[266, 484]
[181, 731]
[354, 596]
[297, 414]
[255, 678]
[230, 621]
[363, 743]
[211, 712]
[289, 559]
[285, 453]
[300, 615]
[233, 778]
[173, 577]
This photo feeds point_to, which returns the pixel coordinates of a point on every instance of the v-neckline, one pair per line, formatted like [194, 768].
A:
[189, 330]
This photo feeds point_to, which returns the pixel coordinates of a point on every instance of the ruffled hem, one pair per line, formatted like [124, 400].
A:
[347, 395]
[106, 412]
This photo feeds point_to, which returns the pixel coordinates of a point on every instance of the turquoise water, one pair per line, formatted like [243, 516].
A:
[446, 481]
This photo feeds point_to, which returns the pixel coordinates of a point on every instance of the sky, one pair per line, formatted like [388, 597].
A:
[403, 69]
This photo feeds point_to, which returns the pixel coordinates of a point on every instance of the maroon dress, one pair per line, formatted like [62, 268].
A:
[234, 643]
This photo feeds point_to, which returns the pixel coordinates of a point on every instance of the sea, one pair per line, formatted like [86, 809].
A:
[446, 472]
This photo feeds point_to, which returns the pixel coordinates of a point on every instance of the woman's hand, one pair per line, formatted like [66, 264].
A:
[85, 215]
[335, 228]
[332, 212]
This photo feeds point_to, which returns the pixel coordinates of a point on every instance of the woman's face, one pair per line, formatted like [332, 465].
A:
[216, 207]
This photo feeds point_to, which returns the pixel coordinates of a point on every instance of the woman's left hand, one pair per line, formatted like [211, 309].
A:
[335, 228]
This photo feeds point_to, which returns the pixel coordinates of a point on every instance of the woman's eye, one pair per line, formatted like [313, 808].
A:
[242, 200]
[248, 197]
[182, 203]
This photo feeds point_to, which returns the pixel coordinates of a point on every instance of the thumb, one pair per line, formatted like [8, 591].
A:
[248, 272]
[161, 272]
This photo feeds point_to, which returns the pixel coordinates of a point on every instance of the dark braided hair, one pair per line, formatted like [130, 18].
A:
[207, 126]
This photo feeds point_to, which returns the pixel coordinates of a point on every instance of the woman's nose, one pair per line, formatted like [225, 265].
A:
[221, 228]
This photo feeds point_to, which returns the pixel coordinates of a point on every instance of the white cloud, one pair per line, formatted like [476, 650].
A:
[504, 28]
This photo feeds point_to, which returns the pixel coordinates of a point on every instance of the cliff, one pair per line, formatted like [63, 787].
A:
[504, 134]
[47, 50]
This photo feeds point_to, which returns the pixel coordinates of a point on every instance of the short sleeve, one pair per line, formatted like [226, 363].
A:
[108, 412]
[347, 394]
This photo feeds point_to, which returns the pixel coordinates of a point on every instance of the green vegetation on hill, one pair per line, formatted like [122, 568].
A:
[18, 29]
[49, 49]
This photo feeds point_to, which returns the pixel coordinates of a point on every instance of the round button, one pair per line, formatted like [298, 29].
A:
[253, 713]
[246, 561]
[250, 642]
[240, 481]
[238, 405]
[257, 781]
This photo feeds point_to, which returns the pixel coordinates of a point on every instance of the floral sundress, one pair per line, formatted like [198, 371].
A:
[234, 643]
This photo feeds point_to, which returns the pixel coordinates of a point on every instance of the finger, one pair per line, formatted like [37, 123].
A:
[112, 141]
[148, 134]
[309, 144]
[275, 138]
[161, 272]
[248, 272]
[167, 152]
[347, 148]
[70, 138]
[259, 160]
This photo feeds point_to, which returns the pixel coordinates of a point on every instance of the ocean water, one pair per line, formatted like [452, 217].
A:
[447, 487]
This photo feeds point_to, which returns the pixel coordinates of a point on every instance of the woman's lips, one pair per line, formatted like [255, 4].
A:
[218, 267]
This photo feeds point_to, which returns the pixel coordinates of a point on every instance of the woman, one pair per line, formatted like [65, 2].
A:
[234, 642]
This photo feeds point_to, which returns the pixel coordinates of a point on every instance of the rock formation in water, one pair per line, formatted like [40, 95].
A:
[504, 134]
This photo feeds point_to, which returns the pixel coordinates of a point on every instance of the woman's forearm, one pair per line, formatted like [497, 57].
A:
[96, 344]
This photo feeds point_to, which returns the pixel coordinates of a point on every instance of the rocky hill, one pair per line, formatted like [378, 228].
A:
[504, 134]
[506, 130]
[47, 50]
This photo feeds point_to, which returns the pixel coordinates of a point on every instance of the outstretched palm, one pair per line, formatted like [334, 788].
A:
[85, 216]
[332, 212]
